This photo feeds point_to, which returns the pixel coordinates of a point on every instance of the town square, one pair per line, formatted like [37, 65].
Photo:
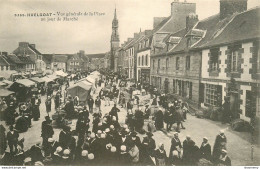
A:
[185, 92]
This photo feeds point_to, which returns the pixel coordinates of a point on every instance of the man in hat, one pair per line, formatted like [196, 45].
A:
[90, 104]
[220, 143]
[175, 145]
[57, 100]
[47, 131]
[98, 103]
[48, 105]
[134, 153]
[226, 117]
[114, 112]
[12, 138]
[135, 139]
[139, 120]
[36, 153]
[159, 119]
[129, 106]
[178, 118]
[224, 160]
[147, 112]
[160, 155]
[22, 124]
[69, 107]
[205, 149]
[64, 137]
[148, 147]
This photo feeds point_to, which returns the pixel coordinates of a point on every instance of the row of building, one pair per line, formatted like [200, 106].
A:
[200, 61]
[26, 58]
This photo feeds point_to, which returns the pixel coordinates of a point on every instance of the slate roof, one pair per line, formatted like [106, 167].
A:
[35, 50]
[244, 26]
[60, 58]
[98, 55]
[13, 59]
[208, 27]
[3, 62]
[25, 59]
[47, 58]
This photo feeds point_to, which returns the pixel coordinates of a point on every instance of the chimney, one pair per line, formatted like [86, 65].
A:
[179, 10]
[228, 7]
[191, 20]
[4, 53]
[23, 44]
[33, 45]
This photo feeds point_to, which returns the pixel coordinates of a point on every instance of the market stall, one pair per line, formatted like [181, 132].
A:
[22, 88]
[81, 90]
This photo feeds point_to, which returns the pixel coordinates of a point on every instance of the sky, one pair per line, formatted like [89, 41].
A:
[89, 33]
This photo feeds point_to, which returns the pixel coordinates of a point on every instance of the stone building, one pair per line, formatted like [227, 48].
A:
[31, 56]
[143, 58]
[230, 62]
[211, 59]
[74, 63]
[59, 62]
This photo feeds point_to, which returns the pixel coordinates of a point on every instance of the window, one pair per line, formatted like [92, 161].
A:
[6, 67]
[146, 60]
[159, 65]
[147, 43]
[167, 63]
[187, 62]
[214, 56]
[258, 60]
[251, 105]
[177, 63]
[234, 61]
[139, 60]
[2, 67]
[213, 95]
[174, 86]
[153, 64]
[143, 60]
[189, 90]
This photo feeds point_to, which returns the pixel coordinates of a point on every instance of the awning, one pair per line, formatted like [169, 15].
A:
[7, 82]
[95, 73]
[4, 92]
[53, 77]
[46, 79]
[37, 80]
[90, 79]
[25, 82]
[60, 73]
[7, 74]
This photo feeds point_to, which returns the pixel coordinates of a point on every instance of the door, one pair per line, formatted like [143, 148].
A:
[234, 105]
[166, 86]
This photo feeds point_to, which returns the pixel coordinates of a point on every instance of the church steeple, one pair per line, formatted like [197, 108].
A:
[115, 14]
[115, 35]
[115, 42]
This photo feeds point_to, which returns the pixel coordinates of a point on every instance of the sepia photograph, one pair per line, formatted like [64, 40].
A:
[129, 83]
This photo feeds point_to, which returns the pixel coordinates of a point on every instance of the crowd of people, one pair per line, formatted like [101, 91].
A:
[103, 140]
